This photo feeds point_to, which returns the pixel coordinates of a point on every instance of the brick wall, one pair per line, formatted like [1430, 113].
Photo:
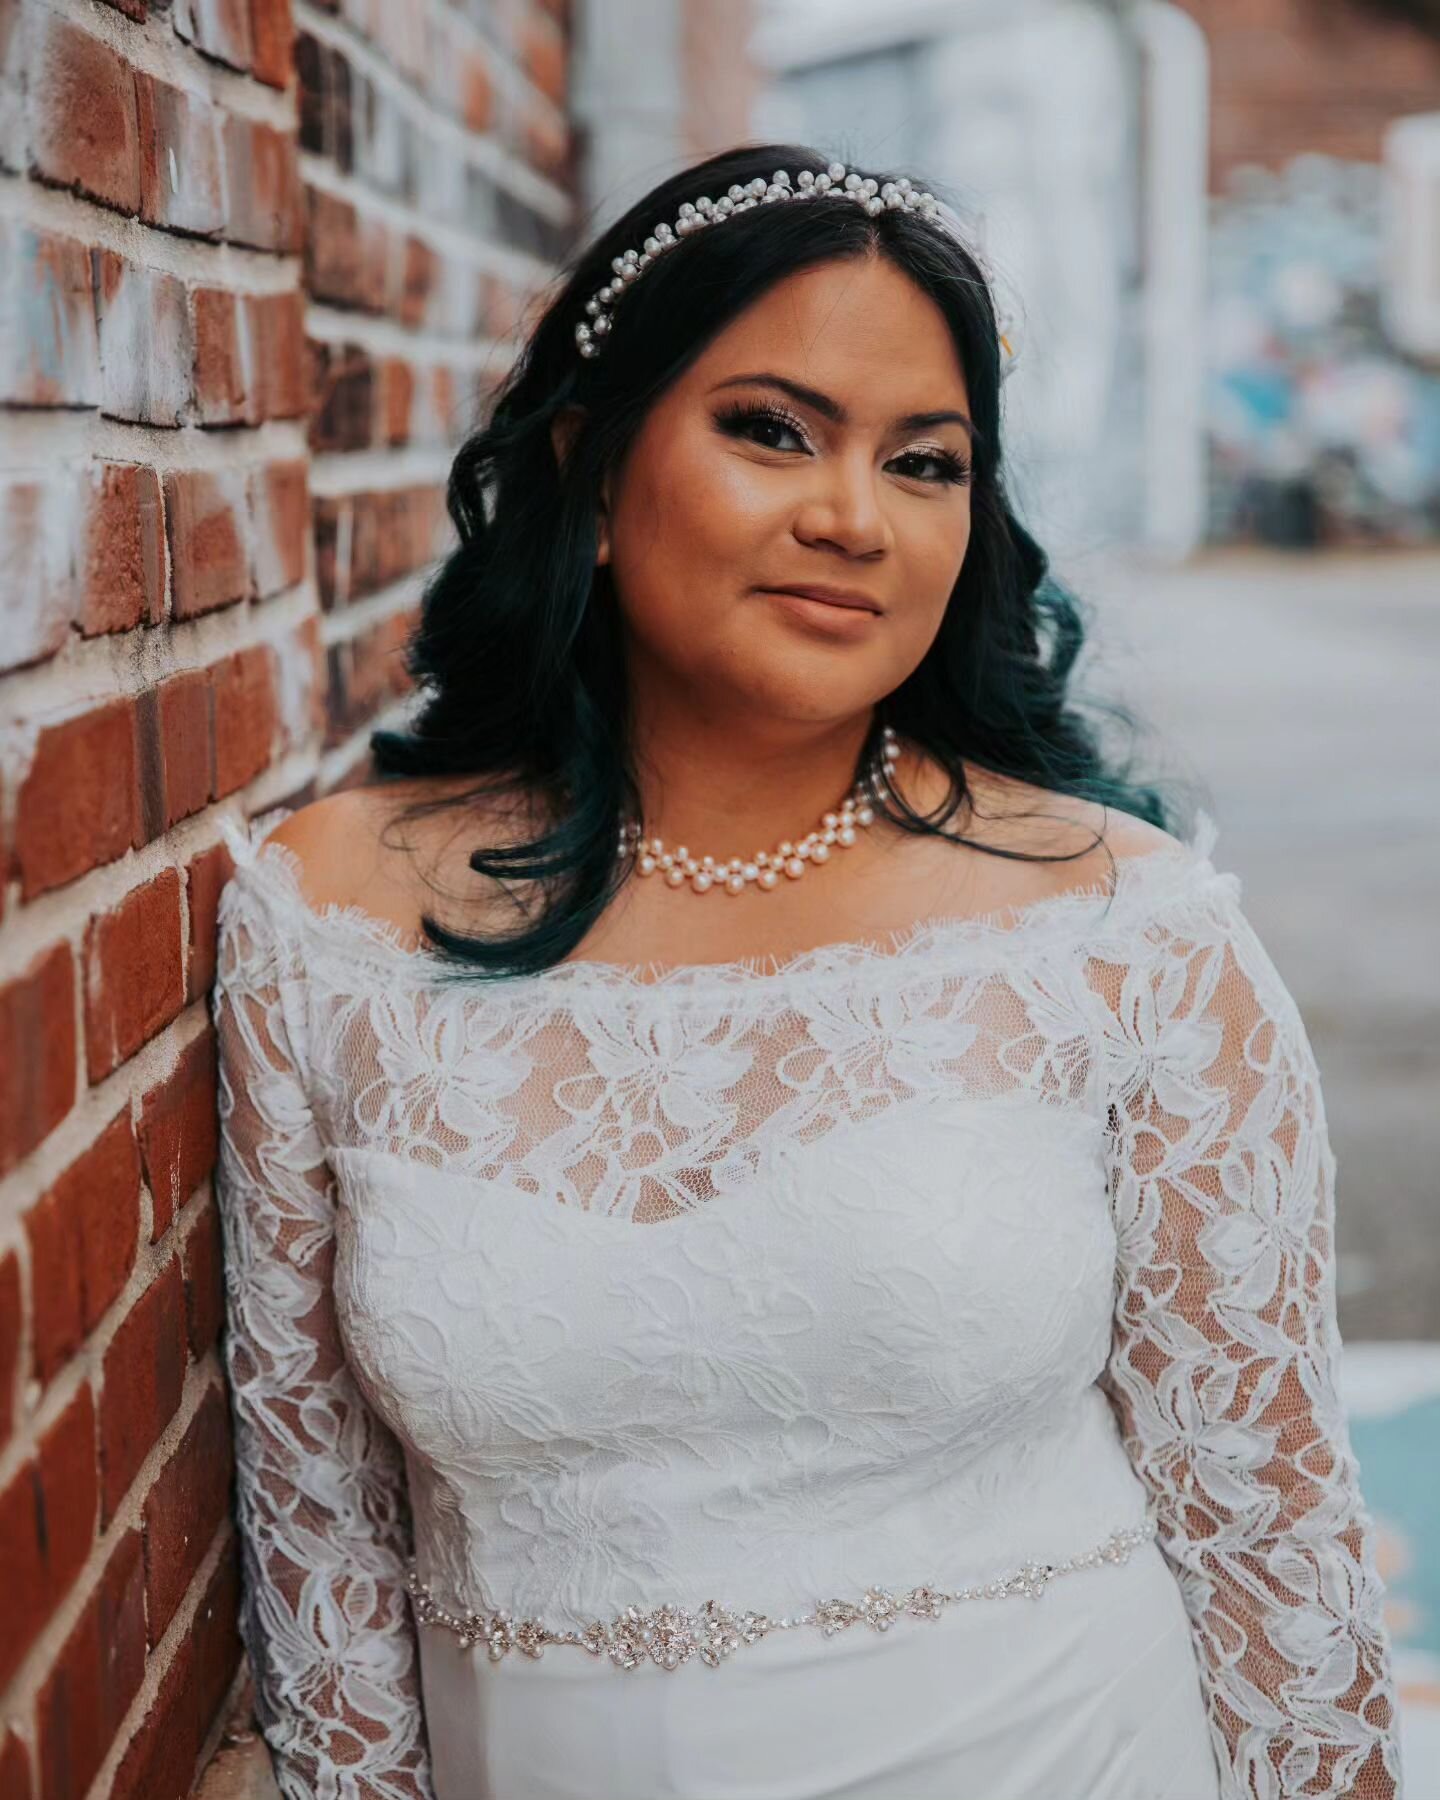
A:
[245, 313]
[1288, 76]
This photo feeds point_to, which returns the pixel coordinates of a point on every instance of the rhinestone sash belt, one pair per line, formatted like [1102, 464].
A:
[670, 1635]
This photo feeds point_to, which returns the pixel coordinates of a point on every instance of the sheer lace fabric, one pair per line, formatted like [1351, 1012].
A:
[783, 1280]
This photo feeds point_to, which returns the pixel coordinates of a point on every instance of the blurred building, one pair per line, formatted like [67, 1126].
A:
[1204, 218]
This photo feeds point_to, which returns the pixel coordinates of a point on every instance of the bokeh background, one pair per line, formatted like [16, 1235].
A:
[262, 262]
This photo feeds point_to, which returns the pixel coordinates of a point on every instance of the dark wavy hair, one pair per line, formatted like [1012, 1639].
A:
[517, 652]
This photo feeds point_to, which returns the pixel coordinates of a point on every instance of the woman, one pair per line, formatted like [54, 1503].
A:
[877, 1338]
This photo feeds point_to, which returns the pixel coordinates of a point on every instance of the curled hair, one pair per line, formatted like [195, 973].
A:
[517, 654]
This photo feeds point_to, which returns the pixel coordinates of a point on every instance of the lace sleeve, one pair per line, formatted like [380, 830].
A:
[1223, 1364]
[322, 1511]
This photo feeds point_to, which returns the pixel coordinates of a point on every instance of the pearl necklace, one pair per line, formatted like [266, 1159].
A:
[837, 829]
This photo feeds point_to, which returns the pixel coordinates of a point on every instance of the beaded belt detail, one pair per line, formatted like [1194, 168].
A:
[670, 1635]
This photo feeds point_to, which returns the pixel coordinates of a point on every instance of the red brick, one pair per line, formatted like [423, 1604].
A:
[82, 1236]
[209, 560]
[38, 597]
[122, 570]
[83, 128]
[263, 180]
[202, 1254]
[144, 1374]
[205, 876]
[419, 273]
[477, 93]
[37, 1053]
[277, 332]
[331, 525]
[185, 1509]
[177, 748]
[181, 176]
[46, 281]
[245, 717]
[69, 1491]
[132, 9]
[343, 415]
[101, 1191]
[272, 32]
[96, 1676]
[178, 1131]
[302, 710]
[280, 518]
[134, 973]
[159, 1763]
[55, 1282]
[334, 268]
[22, 1569]
[14, 1768]
[395, 401]
[10, 1343]
[218, 28]
[542, 55]
[146, 349]
[225, 388]
[78, 805]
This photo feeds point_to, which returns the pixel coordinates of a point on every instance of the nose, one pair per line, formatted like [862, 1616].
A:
[843, 509]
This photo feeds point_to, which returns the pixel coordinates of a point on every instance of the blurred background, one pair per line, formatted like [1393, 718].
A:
[262, 262]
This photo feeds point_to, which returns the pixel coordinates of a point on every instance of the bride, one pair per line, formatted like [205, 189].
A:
[780, 1221]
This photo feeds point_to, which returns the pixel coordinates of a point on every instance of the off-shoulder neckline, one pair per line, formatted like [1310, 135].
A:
[1139, 882]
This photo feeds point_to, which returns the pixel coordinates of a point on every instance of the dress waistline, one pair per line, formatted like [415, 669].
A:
[671, 1635]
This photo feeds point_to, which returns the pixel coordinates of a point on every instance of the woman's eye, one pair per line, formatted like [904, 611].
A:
[761, 423]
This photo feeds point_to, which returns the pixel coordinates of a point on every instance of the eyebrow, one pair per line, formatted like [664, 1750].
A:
[832, 409]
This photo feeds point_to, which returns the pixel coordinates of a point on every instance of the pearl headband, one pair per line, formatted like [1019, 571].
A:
[835, 181]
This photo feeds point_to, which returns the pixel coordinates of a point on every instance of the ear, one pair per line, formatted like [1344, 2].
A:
[563, 428]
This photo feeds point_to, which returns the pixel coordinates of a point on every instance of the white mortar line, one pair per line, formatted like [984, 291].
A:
[194, 259]
[386, 337]
[38, 437]
[339, 472]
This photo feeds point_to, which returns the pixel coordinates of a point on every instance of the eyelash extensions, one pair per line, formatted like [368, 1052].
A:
[734, 419]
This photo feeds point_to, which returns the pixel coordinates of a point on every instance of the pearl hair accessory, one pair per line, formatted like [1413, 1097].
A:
[836, 829]
[835, 181]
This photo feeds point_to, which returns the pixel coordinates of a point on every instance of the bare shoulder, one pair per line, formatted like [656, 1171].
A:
[365, 847]
[1085, 833]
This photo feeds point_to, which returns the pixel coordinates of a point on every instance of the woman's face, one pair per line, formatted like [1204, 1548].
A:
[738, 484]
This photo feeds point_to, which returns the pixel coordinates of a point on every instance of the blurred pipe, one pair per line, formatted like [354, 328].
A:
[1175, 115]
[627, 100]
[1410, 283]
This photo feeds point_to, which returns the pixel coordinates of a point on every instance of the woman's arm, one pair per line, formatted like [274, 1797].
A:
[1224, 1357]
[322, 1509]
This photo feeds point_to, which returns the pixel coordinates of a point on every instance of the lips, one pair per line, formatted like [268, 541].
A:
[832, 597]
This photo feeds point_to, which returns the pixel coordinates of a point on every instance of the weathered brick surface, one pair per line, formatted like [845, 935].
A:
[78, 805]
[172, 649]
[134, 973]
[144, 1374]
[1287, 77]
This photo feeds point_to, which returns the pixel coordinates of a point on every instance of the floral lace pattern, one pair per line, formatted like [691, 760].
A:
[395, 1150]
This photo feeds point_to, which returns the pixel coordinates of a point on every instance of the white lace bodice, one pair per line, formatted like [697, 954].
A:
[875, 1264]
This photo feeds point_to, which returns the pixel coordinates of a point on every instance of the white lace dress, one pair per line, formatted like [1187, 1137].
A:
[904, 1369]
